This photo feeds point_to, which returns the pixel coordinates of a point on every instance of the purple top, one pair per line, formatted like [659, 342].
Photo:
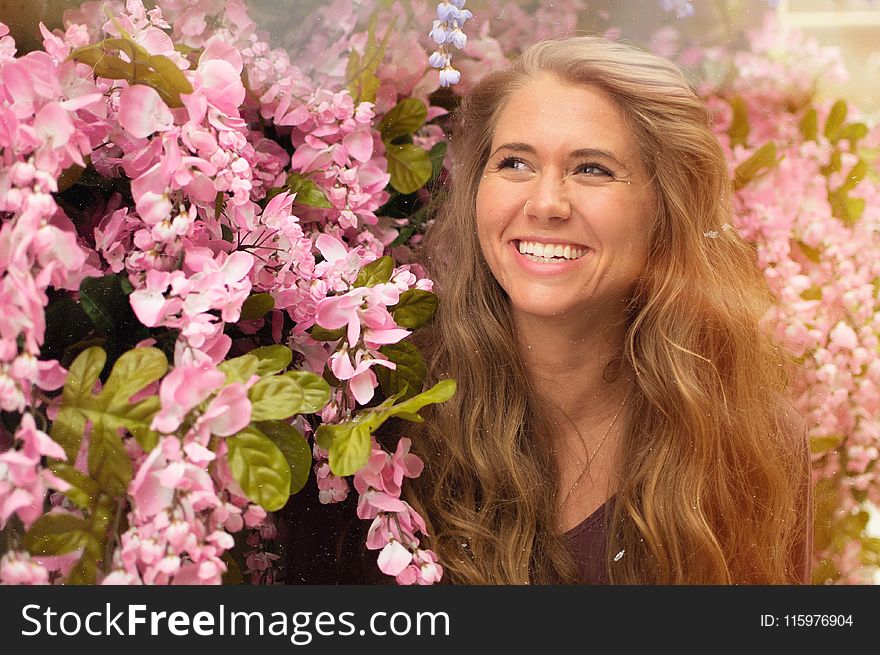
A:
[587, 543]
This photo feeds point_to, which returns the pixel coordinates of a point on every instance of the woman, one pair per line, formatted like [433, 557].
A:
[636, 371]
[620, 414]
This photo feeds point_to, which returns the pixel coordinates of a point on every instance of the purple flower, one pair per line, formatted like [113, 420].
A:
[447, 30]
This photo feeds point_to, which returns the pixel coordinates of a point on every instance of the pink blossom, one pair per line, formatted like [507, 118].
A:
[142, 112]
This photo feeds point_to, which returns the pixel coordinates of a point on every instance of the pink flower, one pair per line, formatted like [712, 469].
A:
[142, 112]
[181, 390]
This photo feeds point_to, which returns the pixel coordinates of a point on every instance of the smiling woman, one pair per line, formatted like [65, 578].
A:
[621, 413]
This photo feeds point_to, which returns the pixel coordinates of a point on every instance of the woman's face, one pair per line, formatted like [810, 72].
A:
[564, 171]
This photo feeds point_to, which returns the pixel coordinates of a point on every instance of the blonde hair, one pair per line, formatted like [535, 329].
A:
[710, 476]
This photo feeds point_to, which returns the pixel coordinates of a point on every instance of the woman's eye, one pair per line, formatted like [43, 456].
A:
[594, 170]
[515, 163]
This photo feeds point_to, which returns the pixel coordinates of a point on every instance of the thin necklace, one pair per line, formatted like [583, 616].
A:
[601, 441]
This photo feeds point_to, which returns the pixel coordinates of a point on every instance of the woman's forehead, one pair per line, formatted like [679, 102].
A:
[551, 114]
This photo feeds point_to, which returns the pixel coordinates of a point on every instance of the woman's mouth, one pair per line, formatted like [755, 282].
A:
[549, 253]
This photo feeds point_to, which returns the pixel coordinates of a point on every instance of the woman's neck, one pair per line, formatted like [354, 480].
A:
[576, 368]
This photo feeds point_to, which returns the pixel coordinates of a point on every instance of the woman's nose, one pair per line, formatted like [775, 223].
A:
[548, 201]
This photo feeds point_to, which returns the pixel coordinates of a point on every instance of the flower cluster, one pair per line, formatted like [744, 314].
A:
[451, 17]
[814, 217]
[395, 524]
[177, 124]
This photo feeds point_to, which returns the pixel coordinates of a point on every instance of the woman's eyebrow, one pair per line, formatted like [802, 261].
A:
[580, 153]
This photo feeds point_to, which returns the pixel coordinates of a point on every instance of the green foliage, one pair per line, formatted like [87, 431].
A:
[835, 121]
[109, 411]
[156, 71]
[274, 397]
[376, 272]
[348, 443]
[414, 308]
[295, 448]
[409, 166]
[83, 491]
[844, 207]
[810, 124]
[739, 125]
[437, 155]
[319, 333]
[307, 192]
[57, 534]
[813, 254]
[257, 306]
[361, 71]
[825, 443]
[272, 359]
[260, 468]
[761, 161]
[409, 377]
[314, 389]
[281, 396]
[240, 369]
[406, 118]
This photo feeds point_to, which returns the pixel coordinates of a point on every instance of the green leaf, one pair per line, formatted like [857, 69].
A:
[406, 117]
[240, 369]
[825, 443]
[376, 272]
[232, 575]
[409, 376]
[69, 176]
[257, 306]
[437, 154]
[109, 463]
[813, 254]
[83, 374]
[132, 372]
[85, 571]
[739, 126]
[414, 308]
[810, 124]
[314, 388]
[409, 166]
[272, 359]
[361, 72]
[109, 411]
[853, 133]
[834, 122]
[295, 448]
[67, 431]
[307, 192]
[83, 490]
[853, 209]
[834, 165]
[762, 160]
[349, 447]
[274, 397]
[156, 71]
[856, 174]
[57, 534]
[260, 468]
[319, 333]
[813, 293]
[348, 444]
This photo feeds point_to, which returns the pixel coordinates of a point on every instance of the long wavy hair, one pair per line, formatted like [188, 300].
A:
[711, 477]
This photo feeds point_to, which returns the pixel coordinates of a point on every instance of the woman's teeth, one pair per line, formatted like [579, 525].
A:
[546, 253]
